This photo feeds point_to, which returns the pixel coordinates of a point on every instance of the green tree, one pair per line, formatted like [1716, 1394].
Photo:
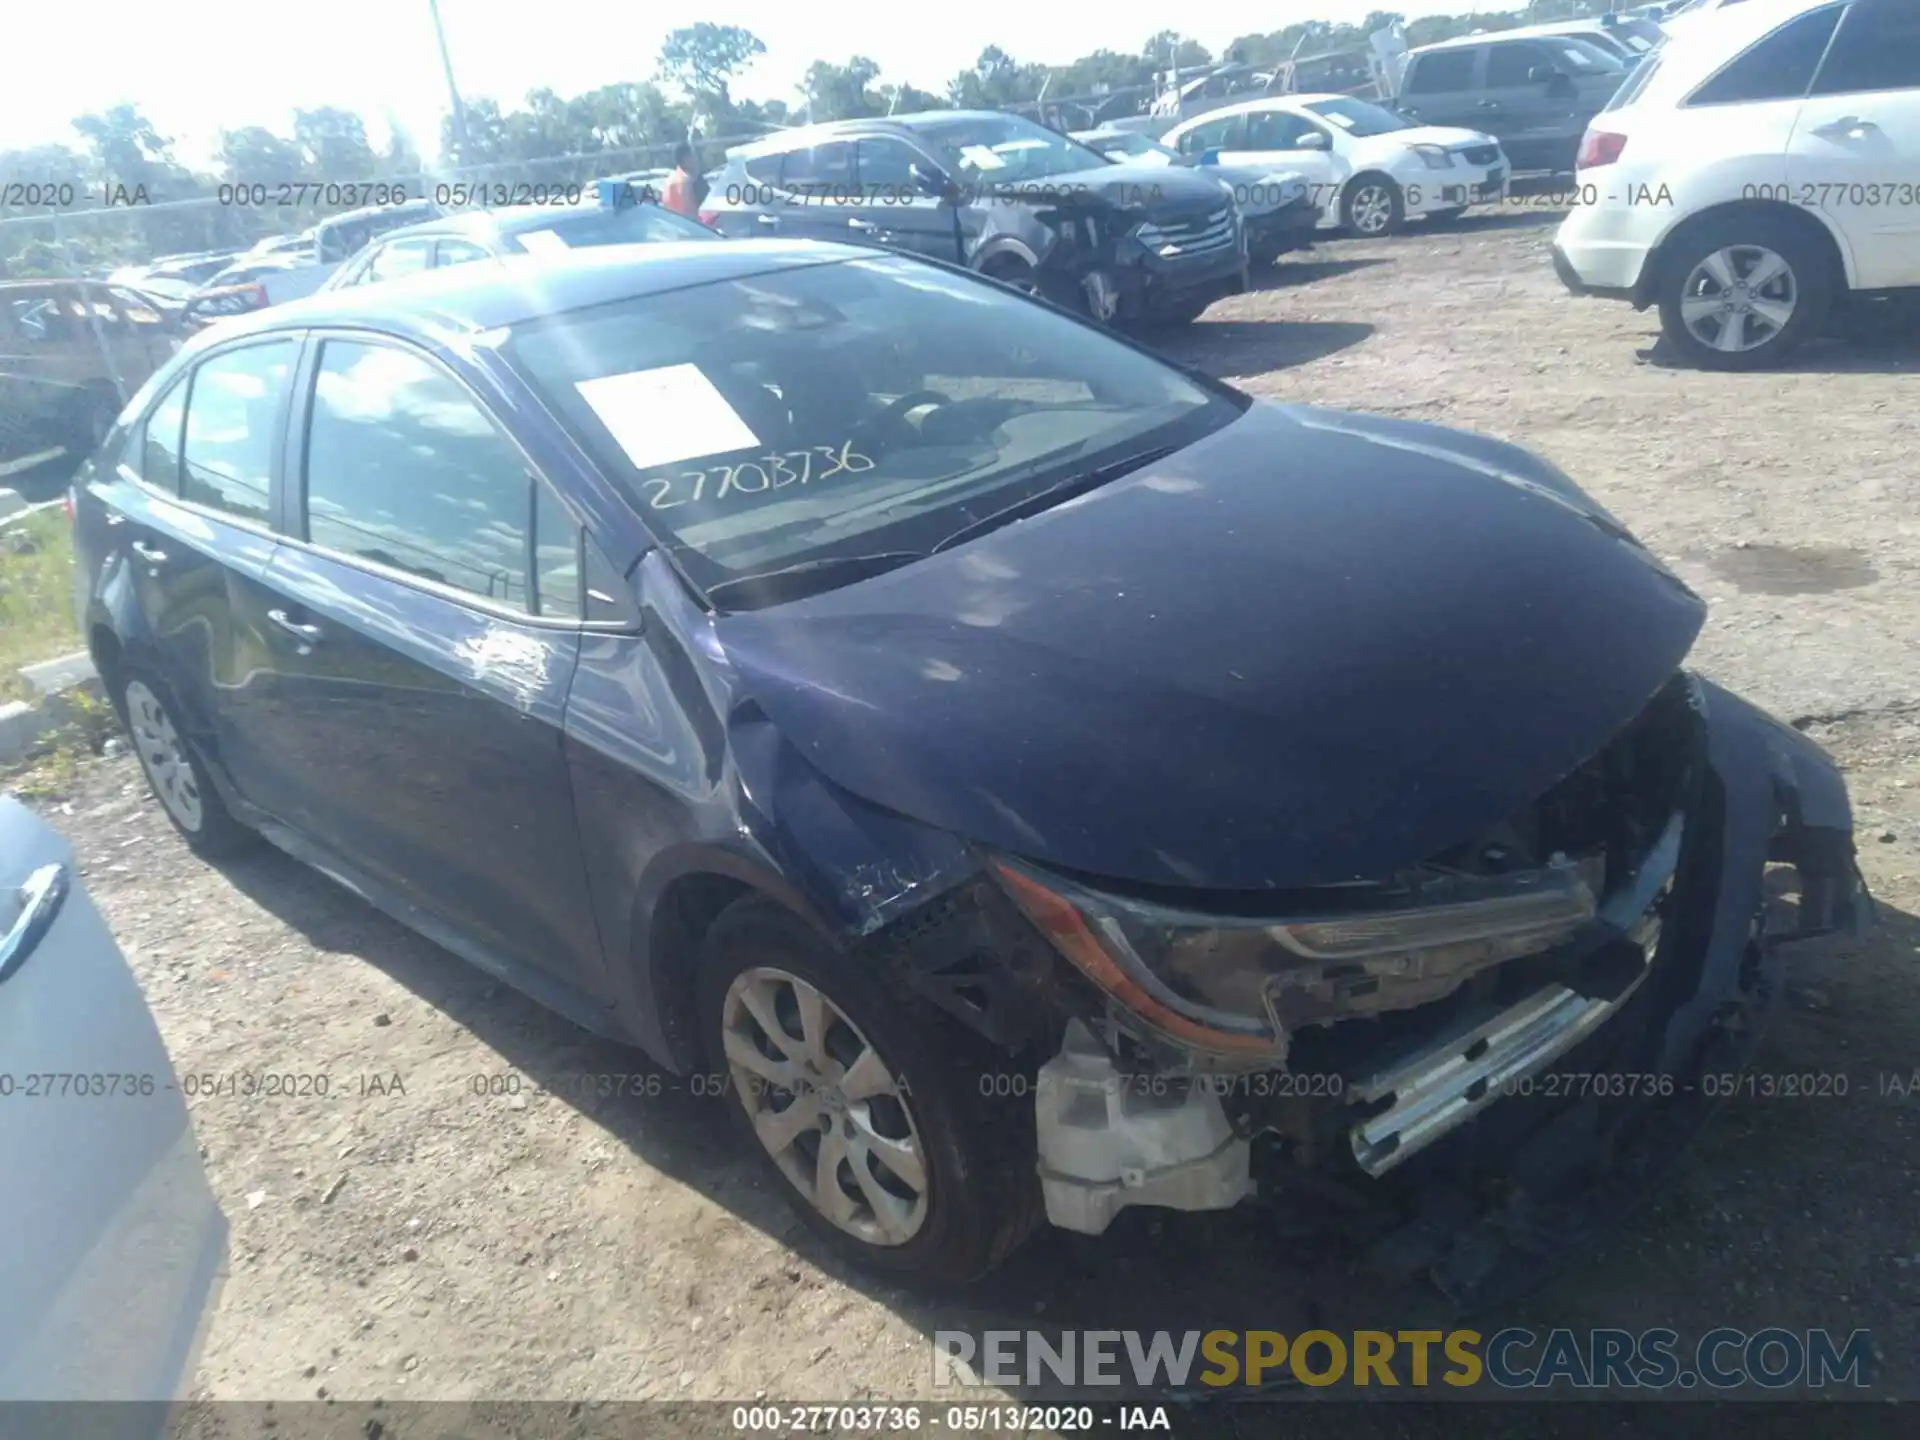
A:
[996, 80]
[842, 92]
[335, 144]
[701, 60]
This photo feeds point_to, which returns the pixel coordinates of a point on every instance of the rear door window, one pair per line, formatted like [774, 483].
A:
[1443, 72]
[1878, 48]
[400, 257]
[820, 170]
[1509, 67]
[233, 419]
[1780, 67]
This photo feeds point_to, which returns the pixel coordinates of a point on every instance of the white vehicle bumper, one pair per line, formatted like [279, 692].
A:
[1457, 187]
[1604, 248]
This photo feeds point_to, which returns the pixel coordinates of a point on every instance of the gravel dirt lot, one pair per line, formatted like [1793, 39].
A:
[407, 1237]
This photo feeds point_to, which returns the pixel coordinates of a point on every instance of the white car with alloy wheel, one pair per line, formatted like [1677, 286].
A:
[1753, 175]
[1371, 169]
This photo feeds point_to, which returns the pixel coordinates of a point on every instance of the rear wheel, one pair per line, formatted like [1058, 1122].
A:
[1743, 292]
[174, 771]
[865, 1104]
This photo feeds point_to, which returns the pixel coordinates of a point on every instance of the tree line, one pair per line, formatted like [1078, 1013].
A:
[553, 139]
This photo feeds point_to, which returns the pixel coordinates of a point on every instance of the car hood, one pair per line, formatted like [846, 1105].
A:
[1311, 648]
[1449, 136]
[1127, 186]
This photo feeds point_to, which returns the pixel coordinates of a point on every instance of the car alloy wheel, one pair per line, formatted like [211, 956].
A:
[825, 1105]
[1372, 209]
[163, 754]
[1739, 298]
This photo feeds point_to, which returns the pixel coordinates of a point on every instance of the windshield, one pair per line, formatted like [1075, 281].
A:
[1136, 148]
[1005, 149]
[817, 415]
[1357, 117]
[627, 225]
[1580, 56]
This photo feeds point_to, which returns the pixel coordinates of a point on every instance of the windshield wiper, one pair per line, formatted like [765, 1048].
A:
[1050, 495]
[790, 581]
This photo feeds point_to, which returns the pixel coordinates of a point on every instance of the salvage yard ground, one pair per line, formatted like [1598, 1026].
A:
[445, 1242]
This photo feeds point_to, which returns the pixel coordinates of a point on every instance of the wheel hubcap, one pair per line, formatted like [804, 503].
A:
[1739, 298]
[163, 755]
[828, 1109]
[1372, 208]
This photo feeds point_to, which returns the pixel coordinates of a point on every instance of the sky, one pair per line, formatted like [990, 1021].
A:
[196, 66]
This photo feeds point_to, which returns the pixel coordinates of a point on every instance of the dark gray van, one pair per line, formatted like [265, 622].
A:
[1532, 93]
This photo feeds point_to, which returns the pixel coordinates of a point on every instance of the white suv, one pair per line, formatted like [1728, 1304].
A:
[1754, 172]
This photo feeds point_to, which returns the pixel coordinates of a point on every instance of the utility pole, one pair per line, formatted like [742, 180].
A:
[453, 91]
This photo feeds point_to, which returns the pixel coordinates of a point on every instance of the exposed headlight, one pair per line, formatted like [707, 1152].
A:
[1434, 157]
[1238, 988]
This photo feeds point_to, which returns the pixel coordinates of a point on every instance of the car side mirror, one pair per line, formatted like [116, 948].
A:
[1210, 157]
[931, 182]
[1312, 140]
[1544, 75]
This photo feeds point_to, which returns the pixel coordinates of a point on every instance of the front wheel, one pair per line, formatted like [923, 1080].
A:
[1373, 207]
[867, 1107]
[1743, 292]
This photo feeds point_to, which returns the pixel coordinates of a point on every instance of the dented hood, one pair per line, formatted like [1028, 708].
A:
[1313, 647]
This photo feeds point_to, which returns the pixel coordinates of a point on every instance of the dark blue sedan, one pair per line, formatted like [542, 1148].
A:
[1016, 775]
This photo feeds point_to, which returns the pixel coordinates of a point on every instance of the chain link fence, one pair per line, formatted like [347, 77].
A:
[71, 355]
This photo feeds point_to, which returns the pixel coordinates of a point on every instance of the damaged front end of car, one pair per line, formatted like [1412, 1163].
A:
[1120, 259]
[1466, 1066]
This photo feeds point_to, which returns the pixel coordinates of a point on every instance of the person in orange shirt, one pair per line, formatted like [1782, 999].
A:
[683, 185]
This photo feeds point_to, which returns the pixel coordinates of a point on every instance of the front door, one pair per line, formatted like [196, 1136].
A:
[1282, 140]
[894, 209]
[1856, 146]
[424, 617]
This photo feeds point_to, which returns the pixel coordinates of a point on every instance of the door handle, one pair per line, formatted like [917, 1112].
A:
[766, 219]
[304, 633]
[1488, 105]
[147, 553]
[1846, 125]
[40, 896]
[866, 227]
[114, 518]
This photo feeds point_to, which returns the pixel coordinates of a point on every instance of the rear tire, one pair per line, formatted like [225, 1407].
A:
[931, 1181]
[174, 770]
[1744, 291]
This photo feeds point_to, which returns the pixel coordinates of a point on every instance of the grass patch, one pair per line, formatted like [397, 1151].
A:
[36, 595]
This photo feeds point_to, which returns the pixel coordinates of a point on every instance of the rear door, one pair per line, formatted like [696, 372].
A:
[820, 191]
[1439, 89]
[424, 621]
[190, 505]
[1856, 145]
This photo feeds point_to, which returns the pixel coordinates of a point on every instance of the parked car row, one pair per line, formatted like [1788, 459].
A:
[1759, 172]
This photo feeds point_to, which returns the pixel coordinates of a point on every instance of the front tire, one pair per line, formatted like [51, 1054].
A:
[174, 770]
[1743, 292]
[864, 1105]
[1373, 207]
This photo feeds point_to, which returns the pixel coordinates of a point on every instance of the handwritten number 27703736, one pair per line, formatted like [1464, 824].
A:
[752, 477]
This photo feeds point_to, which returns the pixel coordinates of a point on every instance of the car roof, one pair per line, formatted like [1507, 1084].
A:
[781, 141]
[1262, 103]
[473, 298]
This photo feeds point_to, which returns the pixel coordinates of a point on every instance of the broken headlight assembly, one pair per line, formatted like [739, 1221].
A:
[1235, 990]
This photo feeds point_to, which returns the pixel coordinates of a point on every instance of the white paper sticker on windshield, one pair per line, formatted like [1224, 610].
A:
[1345, 122]
[542, 242]
[982, 158]
[666, 415]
